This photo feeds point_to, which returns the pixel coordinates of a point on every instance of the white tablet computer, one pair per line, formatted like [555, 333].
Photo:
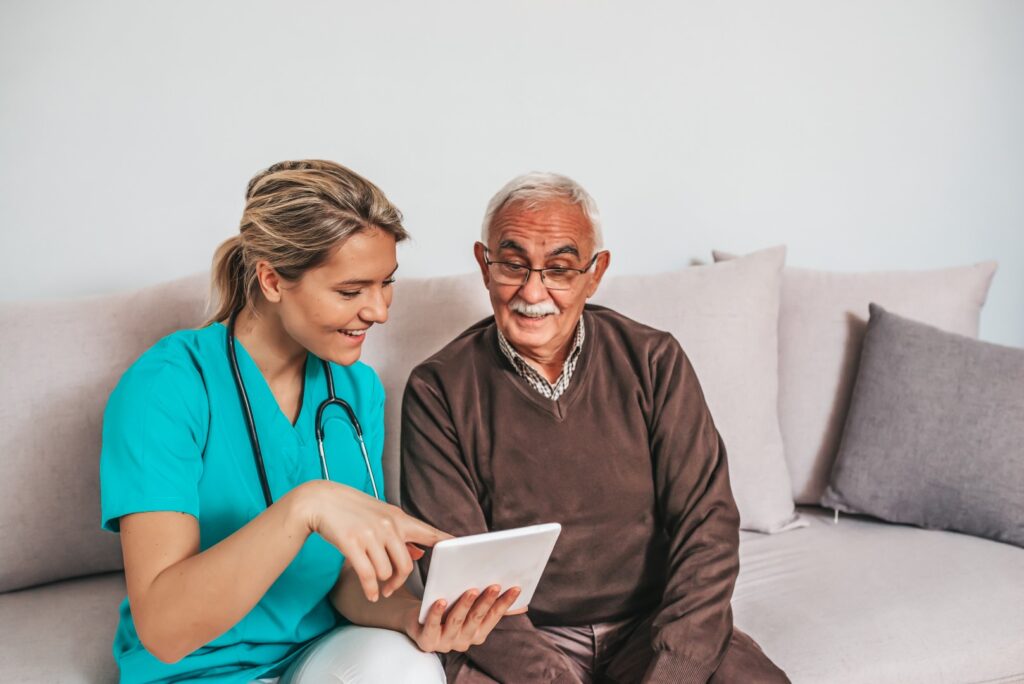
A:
[509, 558]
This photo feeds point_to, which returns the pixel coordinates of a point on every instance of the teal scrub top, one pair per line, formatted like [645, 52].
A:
[175, 439]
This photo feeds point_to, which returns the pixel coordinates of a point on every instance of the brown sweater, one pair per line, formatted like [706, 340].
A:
[628, 460]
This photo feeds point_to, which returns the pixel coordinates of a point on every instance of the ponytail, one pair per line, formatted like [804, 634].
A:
[228, 279]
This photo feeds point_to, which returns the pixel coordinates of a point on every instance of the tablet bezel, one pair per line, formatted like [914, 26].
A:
[515, 557]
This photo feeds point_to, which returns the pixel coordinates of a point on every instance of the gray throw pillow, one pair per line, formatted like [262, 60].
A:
[935, 432]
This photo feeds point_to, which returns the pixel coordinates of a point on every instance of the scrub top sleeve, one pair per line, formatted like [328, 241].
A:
[154, 430]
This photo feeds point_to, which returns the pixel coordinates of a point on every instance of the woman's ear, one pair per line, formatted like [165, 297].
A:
[269, 280]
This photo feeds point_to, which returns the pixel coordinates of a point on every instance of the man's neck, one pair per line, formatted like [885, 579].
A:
[276, 354]
[550, 365]
[550, 369]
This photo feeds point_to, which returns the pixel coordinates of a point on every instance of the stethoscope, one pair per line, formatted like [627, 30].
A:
[331, 400]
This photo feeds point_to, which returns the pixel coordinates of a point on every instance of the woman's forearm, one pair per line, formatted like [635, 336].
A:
[393, 612]
[195, 600]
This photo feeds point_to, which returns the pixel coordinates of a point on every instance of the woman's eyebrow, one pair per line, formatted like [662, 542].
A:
[356, 282]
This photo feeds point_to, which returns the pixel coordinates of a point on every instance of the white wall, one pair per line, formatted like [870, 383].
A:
[865, 135]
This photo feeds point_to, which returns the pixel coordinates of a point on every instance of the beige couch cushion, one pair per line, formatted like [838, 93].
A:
[425, 315]
[62, 632]
[822, 321]
[725, 316]
[61, 360]
[868, 601]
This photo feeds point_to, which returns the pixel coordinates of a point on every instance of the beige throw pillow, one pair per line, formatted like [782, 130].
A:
[822, 321]
[425, 315]
[725, 316]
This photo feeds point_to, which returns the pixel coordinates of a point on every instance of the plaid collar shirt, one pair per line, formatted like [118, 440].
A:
[549, 390]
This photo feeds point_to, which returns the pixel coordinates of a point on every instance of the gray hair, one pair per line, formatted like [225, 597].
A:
[537, 187]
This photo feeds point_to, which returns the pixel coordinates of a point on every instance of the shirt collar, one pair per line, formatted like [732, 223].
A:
[547, 389]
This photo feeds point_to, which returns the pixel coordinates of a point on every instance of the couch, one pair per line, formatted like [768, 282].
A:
[830, 597]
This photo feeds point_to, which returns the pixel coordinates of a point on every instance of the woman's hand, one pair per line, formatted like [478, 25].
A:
[467, 624]
[376, 538]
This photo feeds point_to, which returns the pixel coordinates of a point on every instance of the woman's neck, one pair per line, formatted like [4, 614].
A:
[276, 354]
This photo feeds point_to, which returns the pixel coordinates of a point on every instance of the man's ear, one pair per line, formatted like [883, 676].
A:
[604, 259]
[478, 252]
[269, 280]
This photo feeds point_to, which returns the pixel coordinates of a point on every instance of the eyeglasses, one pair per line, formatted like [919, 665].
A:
[553, 278]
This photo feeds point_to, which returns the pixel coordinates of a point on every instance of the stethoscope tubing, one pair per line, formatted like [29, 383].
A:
[331, 400]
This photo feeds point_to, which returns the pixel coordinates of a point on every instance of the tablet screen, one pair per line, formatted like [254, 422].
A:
[508, 558]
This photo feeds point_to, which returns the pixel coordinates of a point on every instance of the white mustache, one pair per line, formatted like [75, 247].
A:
[538, 309]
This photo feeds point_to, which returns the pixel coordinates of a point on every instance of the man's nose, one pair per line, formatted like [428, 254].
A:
[534, 290]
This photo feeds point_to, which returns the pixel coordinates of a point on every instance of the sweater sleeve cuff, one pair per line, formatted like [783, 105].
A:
[671, 668]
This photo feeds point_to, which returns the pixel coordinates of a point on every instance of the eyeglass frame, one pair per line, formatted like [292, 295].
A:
[530, 271]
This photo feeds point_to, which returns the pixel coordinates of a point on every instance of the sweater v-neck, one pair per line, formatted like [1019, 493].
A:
[559, 408]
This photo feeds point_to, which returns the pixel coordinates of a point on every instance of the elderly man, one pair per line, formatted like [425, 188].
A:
[558, 411]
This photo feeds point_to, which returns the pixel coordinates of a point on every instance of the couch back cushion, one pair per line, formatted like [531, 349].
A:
[725, 316]
[61, 361]
[822, 320]
[425, 315]
[64, 358]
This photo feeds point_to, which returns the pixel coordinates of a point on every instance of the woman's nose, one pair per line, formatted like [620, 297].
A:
[376, 311]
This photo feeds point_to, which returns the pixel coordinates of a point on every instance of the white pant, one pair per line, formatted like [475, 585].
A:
[364, 655]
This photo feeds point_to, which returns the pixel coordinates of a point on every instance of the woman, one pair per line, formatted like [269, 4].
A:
[243, 540]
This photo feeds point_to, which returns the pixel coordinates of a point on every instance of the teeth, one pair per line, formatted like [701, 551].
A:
[353, 333]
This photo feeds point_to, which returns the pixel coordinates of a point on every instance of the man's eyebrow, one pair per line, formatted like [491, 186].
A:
[356, 282]
[513, 245]
[564, 249]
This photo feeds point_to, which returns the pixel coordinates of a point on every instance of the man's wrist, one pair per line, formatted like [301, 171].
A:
[409, 617]
[398, 612]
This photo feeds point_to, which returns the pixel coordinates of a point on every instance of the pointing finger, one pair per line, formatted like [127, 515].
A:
[419, 532]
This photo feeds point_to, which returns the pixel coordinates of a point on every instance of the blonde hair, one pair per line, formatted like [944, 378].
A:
[296, 212]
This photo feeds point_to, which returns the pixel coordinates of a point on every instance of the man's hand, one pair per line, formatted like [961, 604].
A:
[467, 624]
